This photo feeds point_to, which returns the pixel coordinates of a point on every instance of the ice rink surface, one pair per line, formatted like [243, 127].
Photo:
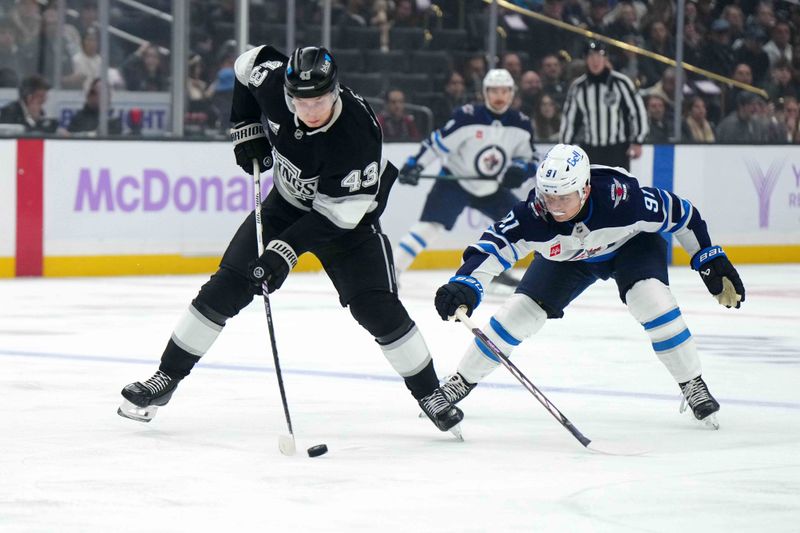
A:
[210, 461]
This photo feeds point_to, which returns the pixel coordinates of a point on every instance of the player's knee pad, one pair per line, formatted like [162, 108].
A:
[379, 312]
[383, 315]
[518, 318]
[653, 305]
[417, 239]
[224, 295]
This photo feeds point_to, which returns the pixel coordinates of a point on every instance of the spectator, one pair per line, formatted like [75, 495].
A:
[405, 15]
[741, 125]
[547, 119]
[552, 73]
[143, 70]
[544, 38]
[40, 54]
[764, 16]
[788, 112]
[656, 118]
[660, 42]
[27, 18]
[513, 64]
[530, 90]
[765, 117]
[696, 128]
[474, 71]
[397, 125]
[28, 111]
[779, 46]
[455, 95]
[598, 9]
[742, 74]
[751, 52]
[10, 62]
[87, 120]
[717, 55]
[625, 23]
[781, 84]
[735, 17]
[86, 63]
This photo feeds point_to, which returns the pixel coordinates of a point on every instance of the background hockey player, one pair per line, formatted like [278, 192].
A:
[487, 140]
[330, 186]
[583, 224]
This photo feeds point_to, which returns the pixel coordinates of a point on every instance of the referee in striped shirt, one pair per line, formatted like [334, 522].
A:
[605, 107]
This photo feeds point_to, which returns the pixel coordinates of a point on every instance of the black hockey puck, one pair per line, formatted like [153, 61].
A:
[316, 451]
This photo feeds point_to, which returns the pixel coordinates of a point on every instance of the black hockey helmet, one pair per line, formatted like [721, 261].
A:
[594, 46]
[311, 72]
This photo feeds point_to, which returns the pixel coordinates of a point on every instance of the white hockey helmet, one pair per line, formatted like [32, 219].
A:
[565, 169]
[498, 77]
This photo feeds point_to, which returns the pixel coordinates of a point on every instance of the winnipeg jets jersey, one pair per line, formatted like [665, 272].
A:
[337, 171]
[477, 142]
[616, 210]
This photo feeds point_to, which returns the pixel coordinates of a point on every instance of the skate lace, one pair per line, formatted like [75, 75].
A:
[158, 382]
[694, 393]
[455, 388]
[435, 402]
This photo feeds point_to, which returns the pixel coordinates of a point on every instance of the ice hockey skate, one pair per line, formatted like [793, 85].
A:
[142, 400]
[704, 406]
[455, 388]
[442, 412]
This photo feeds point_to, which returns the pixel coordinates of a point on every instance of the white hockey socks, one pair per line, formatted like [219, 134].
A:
[409, 354]
[195, 333]
[653, 305]
[517, 319]
[417, 239]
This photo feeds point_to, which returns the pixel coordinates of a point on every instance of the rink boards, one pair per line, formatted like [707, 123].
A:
[83, 207]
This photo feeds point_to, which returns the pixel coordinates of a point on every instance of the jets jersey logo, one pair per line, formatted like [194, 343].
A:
[289, 176]
[619, 192]
[490, 161]
[260, 72]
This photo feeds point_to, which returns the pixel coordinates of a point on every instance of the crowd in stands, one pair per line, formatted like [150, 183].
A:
[416, 60]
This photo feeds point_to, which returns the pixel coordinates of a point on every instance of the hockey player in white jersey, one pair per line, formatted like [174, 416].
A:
[583, 224]
[489, 141]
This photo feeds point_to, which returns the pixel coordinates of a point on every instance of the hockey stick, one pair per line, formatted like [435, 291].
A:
[286, 443]
[461, 314]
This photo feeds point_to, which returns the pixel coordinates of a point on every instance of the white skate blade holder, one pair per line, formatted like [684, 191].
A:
[134, 412]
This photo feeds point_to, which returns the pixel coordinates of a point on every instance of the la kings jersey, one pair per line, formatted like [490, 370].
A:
[477, 142]
[616, 210]
[336, 174]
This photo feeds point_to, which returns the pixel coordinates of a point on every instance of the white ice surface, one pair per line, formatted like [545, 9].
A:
[210, 460]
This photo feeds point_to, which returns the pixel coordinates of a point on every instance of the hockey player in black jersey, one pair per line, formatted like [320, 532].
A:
[583, 224]
[331, 184]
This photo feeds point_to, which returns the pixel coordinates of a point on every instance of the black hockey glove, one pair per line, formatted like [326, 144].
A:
[250, 142]
[269, 271]
[461, 290]
[409, 174]
[518, 173]
[719, 275]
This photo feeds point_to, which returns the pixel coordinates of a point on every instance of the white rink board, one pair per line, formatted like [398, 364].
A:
[109, 197]
[8, 197]
[747, 194]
